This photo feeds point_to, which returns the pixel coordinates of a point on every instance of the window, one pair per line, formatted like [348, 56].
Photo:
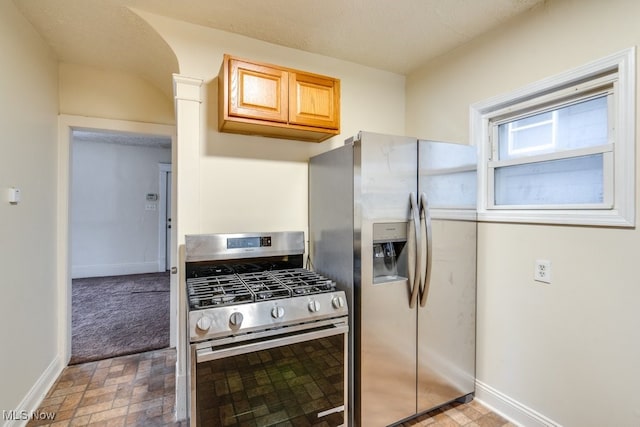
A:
[561, 150]
[448, 178]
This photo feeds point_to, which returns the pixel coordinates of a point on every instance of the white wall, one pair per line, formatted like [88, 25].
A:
[28, 120]
[112, 231]
[567, 352]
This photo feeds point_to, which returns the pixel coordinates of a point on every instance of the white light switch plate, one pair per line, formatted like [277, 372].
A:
[14, 195]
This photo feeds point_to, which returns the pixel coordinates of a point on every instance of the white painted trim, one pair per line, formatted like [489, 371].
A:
[623, 212]
[626, 130]
[558, 155]
[64, 239]
[181, 412]
[163, 262]
[510, 408]
[31, 402]
[67, 123]
[187, 88]
[102, 270]
[190, 119]
[597, 217]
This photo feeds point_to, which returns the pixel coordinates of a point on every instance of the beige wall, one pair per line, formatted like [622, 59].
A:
[570, 350]
[253, 183]
[112, 94]
[28, 119]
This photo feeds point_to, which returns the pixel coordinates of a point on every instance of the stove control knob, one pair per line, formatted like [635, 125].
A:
[204, 323]
[236, 318]
[314, 306]
[277, 312]
[337, 302]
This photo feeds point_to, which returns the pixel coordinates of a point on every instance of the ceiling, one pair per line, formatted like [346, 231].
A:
[393, 35]
[113, 137]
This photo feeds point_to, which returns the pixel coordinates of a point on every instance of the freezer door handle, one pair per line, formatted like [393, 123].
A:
[413, 242]
[426, 254]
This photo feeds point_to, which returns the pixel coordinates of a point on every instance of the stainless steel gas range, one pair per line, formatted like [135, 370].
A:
[268, 338]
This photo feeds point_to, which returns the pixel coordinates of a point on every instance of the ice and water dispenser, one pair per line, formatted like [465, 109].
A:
[389, 252]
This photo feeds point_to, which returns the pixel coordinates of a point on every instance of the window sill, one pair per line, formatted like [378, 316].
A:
[600, 218]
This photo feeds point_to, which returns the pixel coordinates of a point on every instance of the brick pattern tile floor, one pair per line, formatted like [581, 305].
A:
[139, 390]
[471, 414]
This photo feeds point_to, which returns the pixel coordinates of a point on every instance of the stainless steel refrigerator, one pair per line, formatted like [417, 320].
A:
[392, 220]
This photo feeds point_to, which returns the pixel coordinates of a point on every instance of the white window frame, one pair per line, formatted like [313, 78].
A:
[618, 208]
[538, 148]
[592, 89]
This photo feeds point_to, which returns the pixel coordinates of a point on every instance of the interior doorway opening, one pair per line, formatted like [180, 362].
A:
[77, 222]
[118, 205]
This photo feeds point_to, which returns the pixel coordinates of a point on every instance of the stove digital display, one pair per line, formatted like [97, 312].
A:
[248, 242]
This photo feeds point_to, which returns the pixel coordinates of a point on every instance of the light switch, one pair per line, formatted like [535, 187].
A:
[14, 196]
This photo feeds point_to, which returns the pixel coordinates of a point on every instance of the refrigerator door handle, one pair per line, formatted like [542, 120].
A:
[426, 256]
[413, 240]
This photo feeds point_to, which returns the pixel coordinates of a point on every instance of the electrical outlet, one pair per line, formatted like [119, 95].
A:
[542, 271]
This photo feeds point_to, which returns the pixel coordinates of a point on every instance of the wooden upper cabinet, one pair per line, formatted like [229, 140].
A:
[268, 100]
[314, 100]
[257, 91]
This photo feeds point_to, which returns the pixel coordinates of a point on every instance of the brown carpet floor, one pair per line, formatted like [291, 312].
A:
[117, 315]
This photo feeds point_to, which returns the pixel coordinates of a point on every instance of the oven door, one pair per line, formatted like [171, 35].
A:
[290, 379]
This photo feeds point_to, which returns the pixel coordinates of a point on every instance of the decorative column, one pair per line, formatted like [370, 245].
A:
[186, 166]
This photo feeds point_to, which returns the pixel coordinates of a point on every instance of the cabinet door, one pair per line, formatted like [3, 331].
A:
[314, 100]
[258, 92]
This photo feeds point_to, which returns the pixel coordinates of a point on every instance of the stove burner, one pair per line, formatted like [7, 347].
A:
[265, 286]
[222, 299]
[216, 291]
[304, 282]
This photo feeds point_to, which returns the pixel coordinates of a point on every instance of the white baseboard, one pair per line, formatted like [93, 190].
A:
[101, 270]
[181, 397]
[509, 408]
[30, 403]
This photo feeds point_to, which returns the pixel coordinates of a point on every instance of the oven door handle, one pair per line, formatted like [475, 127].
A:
[209, 353]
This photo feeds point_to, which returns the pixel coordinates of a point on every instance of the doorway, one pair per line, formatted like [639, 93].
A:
[120, 289]
[71, 127]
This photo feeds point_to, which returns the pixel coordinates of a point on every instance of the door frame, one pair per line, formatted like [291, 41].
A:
[164, 262]
[66, 125]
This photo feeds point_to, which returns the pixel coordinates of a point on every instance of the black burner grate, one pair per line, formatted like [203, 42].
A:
[216, 291]
[206, 292]
[264, 286]
[304, 282]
